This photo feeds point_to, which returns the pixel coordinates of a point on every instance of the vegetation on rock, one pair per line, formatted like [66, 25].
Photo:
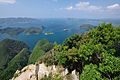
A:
[51, 77]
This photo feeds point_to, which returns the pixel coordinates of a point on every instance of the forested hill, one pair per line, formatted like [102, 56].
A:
[8, 50]
[15, 55]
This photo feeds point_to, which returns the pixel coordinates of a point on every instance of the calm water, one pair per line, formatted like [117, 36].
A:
[52, 25]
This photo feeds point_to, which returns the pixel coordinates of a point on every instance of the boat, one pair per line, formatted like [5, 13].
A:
[65, 29]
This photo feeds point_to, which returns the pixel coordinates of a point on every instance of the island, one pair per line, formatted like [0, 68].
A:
[33, 30]
[16, 31]
[49, 33]
[87, 26]
[11, 31]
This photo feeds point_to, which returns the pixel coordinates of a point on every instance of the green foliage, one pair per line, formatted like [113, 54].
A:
[39, 50]
[110, 65]
[90, 73]
[88, 50]
[72, 41]
[34, 56]
[8, 50]
[44, 44]
[98, 49]
[51, 77]
[18, 62]
[70, 59]
[105, 34]
[48, 58]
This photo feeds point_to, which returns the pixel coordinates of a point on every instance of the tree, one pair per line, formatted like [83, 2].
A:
[90, 72]
[97, 49]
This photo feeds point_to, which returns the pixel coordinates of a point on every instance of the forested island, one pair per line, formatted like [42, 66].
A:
[94, 55]
[17, 31]
[33, 30]
[87, 26]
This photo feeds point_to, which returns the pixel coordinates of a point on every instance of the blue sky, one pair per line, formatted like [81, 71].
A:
[60, 8]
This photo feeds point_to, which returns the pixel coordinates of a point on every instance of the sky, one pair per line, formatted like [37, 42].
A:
[90, 9]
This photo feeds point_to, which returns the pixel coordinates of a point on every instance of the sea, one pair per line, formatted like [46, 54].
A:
[55, 26]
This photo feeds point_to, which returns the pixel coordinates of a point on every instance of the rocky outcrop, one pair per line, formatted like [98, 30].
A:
[38, 71]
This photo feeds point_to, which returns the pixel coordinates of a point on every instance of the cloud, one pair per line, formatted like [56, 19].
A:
[69, 8]
[86, 6]
[8, 1]
[83, 6]
[114, 6]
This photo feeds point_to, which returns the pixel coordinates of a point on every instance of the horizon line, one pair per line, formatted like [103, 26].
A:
[58, 18]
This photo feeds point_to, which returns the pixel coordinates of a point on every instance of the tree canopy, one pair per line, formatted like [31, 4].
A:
[94, 54]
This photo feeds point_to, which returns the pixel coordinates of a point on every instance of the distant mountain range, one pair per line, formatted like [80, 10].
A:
[12, 20]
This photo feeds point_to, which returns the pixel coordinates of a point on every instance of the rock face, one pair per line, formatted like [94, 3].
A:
[26, 73]
[38, 71]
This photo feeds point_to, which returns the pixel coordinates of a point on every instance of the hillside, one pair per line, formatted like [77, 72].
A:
[8, 50]
[18, 62]
[40, 49]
